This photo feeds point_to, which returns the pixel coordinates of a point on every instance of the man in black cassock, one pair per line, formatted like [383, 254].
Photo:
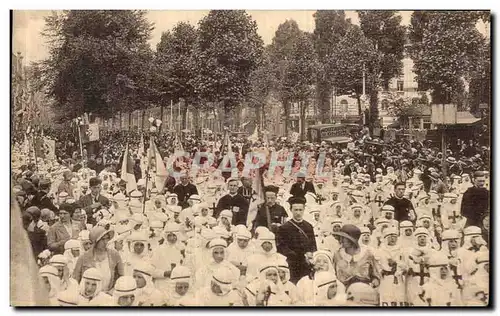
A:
[234, 202]
[475, 202]
[295, 240]
[277, 213]
[246, 189]
[184, 190]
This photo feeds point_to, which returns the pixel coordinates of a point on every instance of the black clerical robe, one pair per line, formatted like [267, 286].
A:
[184, 192]
[277, 213]
[237, 204]
[293, 240]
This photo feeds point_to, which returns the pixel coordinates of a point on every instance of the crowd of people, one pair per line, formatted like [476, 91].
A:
[316, 225]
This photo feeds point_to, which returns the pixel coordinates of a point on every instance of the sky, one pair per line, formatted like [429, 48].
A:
[27, 26]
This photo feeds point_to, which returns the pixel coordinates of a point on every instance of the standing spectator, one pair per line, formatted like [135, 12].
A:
[475, 202]
[107, 261]
[64, 230]
[36, 231]
[65, 185]
[94, 200]
[296, 241]
[403, 208]
[234, 202]
[184, 190]
[301, 187]
[353, 263]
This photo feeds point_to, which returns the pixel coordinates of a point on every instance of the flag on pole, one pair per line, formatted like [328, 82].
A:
[127, 172]
[255, 135]
[178, 144]
[257, 198]
[142, 155]
[161, 170]
[141, 151]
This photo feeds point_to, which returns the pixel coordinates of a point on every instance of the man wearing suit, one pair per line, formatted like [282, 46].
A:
[301, 187]
[64, 230]
[41, 199]
[94, 200]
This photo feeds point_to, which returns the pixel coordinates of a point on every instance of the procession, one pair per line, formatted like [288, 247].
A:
[334, 215]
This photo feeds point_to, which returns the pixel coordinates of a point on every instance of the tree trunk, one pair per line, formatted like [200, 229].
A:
[226, 121]
[120, 126]
[258, 116]
[323, 95]
[302, 107]
[143, 118]
[129, 121]
[373, 109]
[358, 99]
[286, 106]
[161, 118]
[237, 117]
[184, 112]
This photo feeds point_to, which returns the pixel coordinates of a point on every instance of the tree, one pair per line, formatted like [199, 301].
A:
[176, 71]
[261, 81]
[383, 28]
[444, 49]
[353, 52]
[281, 51]
[330, 27]
[228, 50]
[405, 107]
[300, 74]
[99, 61]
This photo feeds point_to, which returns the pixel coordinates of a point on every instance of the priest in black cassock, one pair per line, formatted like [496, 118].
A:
[272, 217]
[184, 190]
[234, 202]
[295, 240]
[246, 189]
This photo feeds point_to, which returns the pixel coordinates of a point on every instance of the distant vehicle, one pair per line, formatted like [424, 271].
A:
[330, 133]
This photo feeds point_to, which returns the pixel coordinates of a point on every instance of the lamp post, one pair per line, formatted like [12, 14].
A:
[155, 125]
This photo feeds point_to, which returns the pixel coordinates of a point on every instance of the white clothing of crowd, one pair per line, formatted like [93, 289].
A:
[186, 257]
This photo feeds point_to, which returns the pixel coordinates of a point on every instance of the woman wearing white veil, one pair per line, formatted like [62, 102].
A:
[91, 293]
[50, 279]
[322, 261]
[180, 291]
[267, 289]
[329, 290]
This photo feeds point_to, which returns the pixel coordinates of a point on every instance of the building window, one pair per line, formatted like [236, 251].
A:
[344, 106]
[400, 85]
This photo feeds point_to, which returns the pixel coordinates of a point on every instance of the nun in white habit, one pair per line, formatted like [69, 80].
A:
[206, 269]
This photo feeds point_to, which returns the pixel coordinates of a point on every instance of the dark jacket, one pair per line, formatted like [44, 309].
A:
[87, 200]
[293, 244]
[297, 190]
[475, 205]
[184, 192]
[233, 203]
[57, 236]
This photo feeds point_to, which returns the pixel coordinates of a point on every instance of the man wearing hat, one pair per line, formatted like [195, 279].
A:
[475, 201]
[270, 214]
[301, 187]
[42, 199]
[296, 241]
[65, 185]
[94, 201]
